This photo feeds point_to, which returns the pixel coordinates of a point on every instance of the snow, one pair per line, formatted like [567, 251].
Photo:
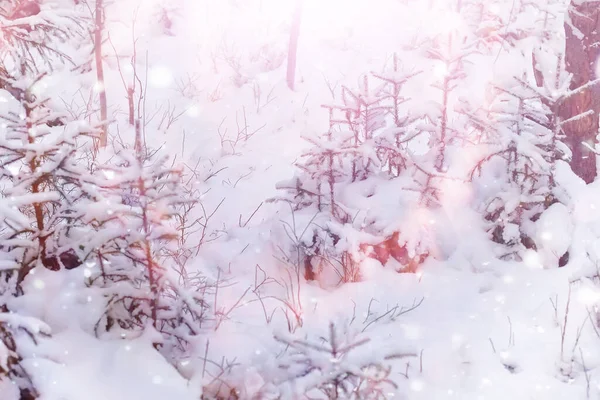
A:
[553, 231]
[83, 367]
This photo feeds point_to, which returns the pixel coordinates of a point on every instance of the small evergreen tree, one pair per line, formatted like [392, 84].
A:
[131, 259]
[38, 140]
[39, 174]
[393, 142]
[344, 155]
[526, 146]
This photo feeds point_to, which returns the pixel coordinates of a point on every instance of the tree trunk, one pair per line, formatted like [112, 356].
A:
[582, 29]
[293, 46]
[98, 33]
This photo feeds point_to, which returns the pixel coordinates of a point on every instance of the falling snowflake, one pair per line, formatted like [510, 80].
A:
[160, 77]
[39, 284]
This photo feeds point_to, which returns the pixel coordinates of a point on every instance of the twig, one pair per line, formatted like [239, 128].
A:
[564, 326]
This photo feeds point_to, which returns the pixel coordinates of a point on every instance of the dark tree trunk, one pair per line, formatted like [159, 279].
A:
[582, 29]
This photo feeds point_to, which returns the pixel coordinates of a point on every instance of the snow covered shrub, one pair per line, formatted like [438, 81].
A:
[136, 222]
[40, 163]
[517, 172]
[38, 142]
[451, 122]
[344, 192]
[130, 253]
[339, 366]
[523, 165]
[339, 158]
